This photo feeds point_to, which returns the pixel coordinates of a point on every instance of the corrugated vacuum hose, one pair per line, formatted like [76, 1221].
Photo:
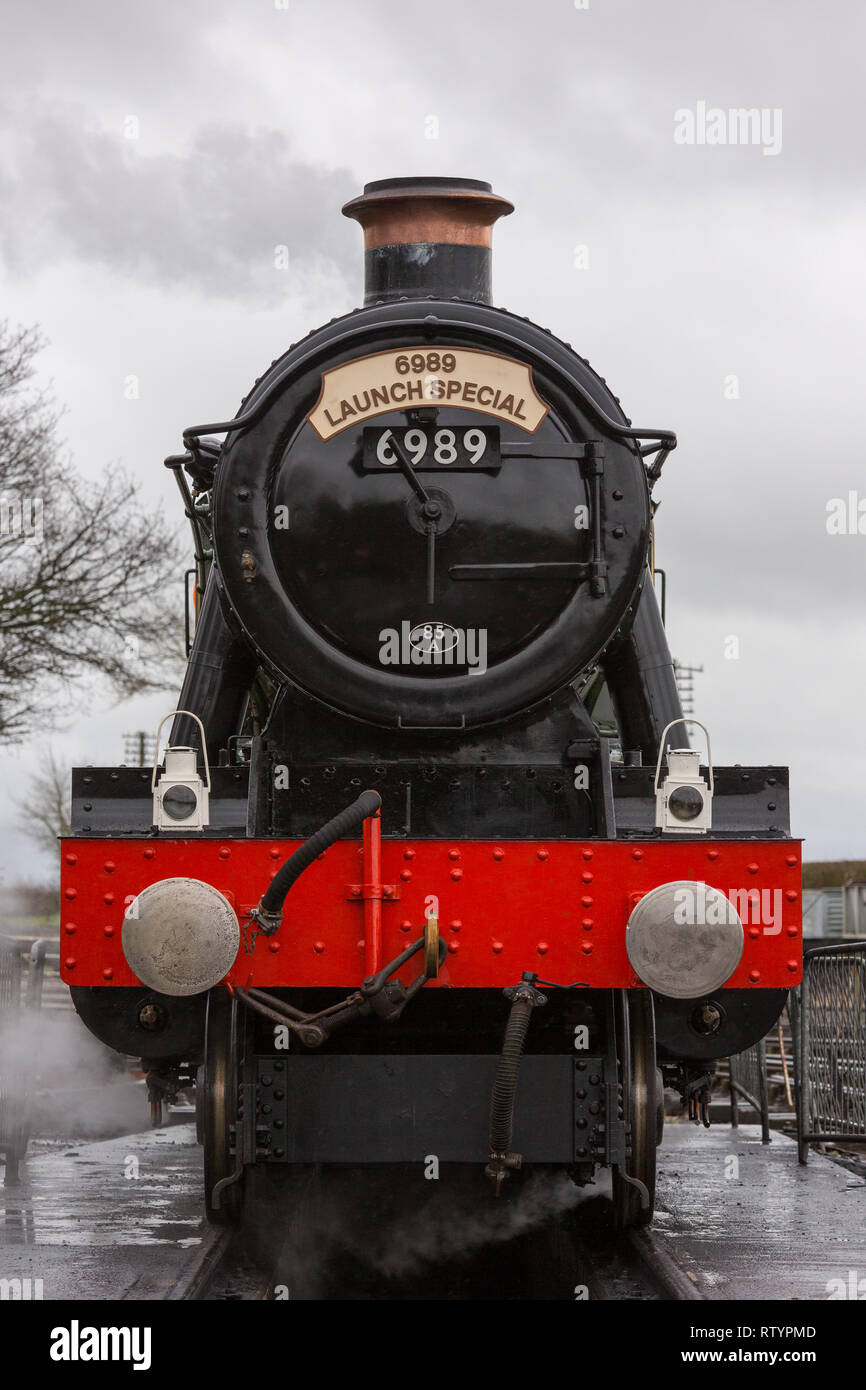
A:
[524, 998]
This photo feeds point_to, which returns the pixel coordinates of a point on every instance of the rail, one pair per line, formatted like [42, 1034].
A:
[828, 1018]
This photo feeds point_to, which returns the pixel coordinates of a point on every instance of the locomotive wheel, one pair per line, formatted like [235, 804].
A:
[218, 1108]
[642, 1101]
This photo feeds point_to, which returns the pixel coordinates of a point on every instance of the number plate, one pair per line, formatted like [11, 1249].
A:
[467, 448]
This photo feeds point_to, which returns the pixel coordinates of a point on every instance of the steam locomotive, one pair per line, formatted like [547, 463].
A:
[430, 867]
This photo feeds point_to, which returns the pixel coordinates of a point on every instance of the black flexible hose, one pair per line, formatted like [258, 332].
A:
[368, 804]
[505, 1085]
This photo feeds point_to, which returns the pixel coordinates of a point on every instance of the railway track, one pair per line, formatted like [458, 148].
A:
[635, 1267]
[226, 1272]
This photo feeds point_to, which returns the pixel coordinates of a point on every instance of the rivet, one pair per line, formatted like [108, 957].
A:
[362, 945]
[586, 902]
[273, 947]
[754, 976]
[453, 854]
[108, 898]
[71, 893]
[405, 874]
[587, 854]
[108, 931]
[791, 895]
[408, 854]
[456, 924]
[712, 854]
[587, 948]
[108, 973]
[274, 853]
[318, 947]
[356, 892]
[456, 874]
[109, 866]
[499, 854]
[754, 933]
[791, 861]
[69, 963]
[752, 868]
[453, 947]
[587, 924]
[405, 926]
[792, 931]
[496, 947]
[541, 948]
[72, 859]
[637, 854]
[225, 852]
[793, 965]
[150, 852]
[587, 878]
[70, 929]
[543, 854]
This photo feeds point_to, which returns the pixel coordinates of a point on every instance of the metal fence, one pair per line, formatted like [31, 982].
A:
[828, 1017]
[748, 1079]
[14, 1073]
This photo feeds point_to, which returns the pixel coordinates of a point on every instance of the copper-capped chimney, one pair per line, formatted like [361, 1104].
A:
[427, 236]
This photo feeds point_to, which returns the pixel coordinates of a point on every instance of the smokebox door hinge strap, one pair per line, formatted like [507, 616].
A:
[592, 469]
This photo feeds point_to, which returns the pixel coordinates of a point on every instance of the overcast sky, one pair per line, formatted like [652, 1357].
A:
[152, 156]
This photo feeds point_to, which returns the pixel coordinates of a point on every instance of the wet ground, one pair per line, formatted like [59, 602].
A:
[747, 1221]
[121, 1219]
[110, 1220]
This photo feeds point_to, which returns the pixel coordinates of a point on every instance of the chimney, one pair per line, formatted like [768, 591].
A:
[427, 236]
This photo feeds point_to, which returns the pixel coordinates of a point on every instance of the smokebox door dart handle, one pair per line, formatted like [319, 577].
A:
[431, 561]
[408, 471]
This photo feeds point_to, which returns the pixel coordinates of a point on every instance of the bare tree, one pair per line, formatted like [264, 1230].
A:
[90, 577]
[48, 805]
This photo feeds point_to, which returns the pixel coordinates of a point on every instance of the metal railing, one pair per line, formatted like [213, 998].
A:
[828, 1017]
[748, 1080]
[14, 1072]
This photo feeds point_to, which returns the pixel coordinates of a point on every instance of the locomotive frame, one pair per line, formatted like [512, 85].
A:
[507, 836]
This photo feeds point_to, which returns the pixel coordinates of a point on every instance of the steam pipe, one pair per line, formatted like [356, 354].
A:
[270, 909]
[639, 671]
[219, 673]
